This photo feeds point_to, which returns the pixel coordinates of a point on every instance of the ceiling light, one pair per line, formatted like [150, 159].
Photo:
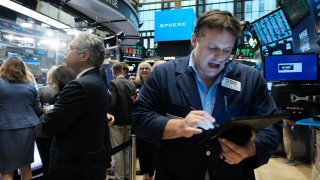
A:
[33, 14]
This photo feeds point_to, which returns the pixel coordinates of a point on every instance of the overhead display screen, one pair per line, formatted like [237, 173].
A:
[272, 27]
[295, 10]
[134, 52]
[174, 25]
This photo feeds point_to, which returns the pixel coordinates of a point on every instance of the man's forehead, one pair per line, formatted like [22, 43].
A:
[73, 43]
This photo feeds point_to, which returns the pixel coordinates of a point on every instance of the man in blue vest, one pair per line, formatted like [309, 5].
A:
[205, 89]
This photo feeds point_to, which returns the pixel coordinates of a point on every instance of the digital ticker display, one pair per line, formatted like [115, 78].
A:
[272, 27]
[295, 10]
[133, 52]
[244, 53]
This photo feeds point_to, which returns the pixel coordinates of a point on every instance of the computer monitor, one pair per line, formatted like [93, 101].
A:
[245, 53]
[272, 27]
[282, 47]
[295, 67]
[133, 52]
[295, 10]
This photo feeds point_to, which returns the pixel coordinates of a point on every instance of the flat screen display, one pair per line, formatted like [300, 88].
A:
[284, 46]
[272, 27]
[133, 52]
[296, 67]
[295, 10]
[245, 53]
[304, 36]
[174, 25]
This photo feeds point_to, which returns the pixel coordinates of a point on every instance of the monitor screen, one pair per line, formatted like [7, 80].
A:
[304, 36]
[174, 25]
[284, 46]
[272, 27]
[295, 10]
[133, 52]
[41, 51]
[245, 53]
[250, 38]
[295, 67]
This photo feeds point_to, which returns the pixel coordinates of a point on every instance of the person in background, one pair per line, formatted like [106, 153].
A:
[287, 141]
[31, 77]
[183, 100]
[48, 92]
[143, 72]
[78, 118]
[120, 107]
[57, 78]
[125, 69]
[19, 110]
[145, 150]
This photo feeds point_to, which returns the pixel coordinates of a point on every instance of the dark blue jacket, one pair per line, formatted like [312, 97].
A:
[19, 105]
[171, 87]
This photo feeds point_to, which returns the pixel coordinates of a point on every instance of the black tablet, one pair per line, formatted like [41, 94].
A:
[239, 129]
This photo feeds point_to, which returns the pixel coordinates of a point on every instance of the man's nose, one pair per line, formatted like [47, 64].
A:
[218, 54]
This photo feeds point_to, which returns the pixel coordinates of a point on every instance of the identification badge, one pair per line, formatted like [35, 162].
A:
[231, 84]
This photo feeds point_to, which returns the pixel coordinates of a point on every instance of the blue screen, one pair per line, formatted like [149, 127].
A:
[41, 52]
[291, 67]
[272, 27]
[174, 25]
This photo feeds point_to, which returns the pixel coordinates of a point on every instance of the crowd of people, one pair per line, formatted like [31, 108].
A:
[170, 107]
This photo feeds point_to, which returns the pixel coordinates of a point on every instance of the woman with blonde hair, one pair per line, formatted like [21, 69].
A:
[143, 72]
[145, 150]
[19, 109]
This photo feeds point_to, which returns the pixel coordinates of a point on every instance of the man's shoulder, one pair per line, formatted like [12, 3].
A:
[91, 75]
[122, 81]
[174, 65]
[243, 68]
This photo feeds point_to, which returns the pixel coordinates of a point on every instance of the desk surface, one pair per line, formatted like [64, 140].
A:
[308, 122]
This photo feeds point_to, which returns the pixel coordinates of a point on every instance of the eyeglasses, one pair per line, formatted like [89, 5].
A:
[144, 69]
[70, 48]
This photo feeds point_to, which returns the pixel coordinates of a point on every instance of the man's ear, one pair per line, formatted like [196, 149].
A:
[85, 56]
[194, 40]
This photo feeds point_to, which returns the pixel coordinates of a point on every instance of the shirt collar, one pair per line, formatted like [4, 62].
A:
[84, 71]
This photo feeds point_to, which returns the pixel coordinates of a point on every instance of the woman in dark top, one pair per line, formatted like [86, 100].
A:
[145, 150]
[57, 78]
[19, 110]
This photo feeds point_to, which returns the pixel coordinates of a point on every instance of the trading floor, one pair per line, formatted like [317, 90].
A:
[276, 170]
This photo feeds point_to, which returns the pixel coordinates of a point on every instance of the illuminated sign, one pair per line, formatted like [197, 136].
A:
[133, 52]
[244, 53]
[174, 25]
